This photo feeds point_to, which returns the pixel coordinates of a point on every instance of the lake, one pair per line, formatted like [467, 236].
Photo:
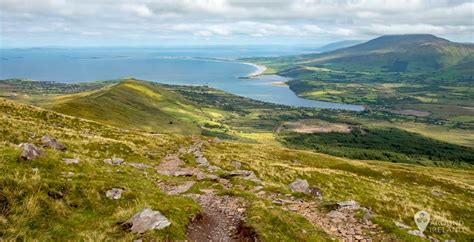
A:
[182, 66]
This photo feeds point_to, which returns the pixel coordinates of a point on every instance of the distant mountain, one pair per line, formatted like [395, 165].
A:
[339, 45]
[396, 53]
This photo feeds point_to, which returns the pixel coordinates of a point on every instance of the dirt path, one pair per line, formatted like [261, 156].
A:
[221, 220]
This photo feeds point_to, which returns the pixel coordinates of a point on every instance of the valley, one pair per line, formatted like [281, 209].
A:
[210, 164]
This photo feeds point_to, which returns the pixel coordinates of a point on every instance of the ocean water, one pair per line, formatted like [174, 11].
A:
[212, 66]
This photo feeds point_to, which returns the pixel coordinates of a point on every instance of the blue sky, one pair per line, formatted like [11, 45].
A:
[27, 23]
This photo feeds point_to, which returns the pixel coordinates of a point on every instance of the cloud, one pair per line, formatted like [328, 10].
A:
[236, 21]
[141, 10]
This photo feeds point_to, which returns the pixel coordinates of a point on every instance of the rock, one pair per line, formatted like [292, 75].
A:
[299, 185]
[236, 164]
[71, 160]
[315, 192]
[138, 165]
[416, 233]
[212, 177]
[52, 143]
[368, 215]
[401, 225]
[213, 168]
[114, 193]
[348, 204]
[248, 175]
[437, 194]
[181, 188]
[114, 161]
[35, 170]
[29, 152]
[202, 161]
[147, 219]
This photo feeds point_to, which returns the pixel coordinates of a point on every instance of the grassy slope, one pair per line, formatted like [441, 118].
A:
[393, 191]
[132, 104]
[47, 206]
[378, 185]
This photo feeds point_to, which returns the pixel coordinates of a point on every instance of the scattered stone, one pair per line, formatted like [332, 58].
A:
[212, 177]
[71, 160]
[175, 189]
[437, 194]
[138, 165]
[114, 161]
[296, 162]
[236, 164]
[52, 143]
[114, 193]
[300, 185]
[401, 225]
[29, 151]
[35, 170]
[213, 168]
[201, 160]
[348, 204]
[315, 192]
[245, 174]
[416, 233]
[147, 219]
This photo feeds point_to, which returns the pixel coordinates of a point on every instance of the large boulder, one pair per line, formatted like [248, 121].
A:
[29, 152]
[147, 219]
[52, 143]
[300, 185]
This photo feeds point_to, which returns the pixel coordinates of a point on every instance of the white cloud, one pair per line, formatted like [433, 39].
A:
[260, 20]
[141, 10]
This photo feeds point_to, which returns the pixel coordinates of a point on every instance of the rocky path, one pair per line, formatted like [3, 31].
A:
[222, 219]
[223, 216]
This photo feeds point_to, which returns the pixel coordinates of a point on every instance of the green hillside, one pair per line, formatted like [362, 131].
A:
[132, 104]
[48, 199]
[395, 53]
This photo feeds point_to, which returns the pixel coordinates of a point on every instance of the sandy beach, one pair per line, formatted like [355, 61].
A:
[260, 69]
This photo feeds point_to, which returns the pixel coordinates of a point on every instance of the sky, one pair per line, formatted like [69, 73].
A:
[36, 23]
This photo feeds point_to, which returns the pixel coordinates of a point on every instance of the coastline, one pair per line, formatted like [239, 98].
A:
[260, 69]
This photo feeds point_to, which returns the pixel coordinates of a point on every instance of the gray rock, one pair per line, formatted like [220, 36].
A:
[71, 160]
[416, 233]
[348, 204]
[52, 143]
[181, 188]
[212, 177]
[114, 161]
[29, 152]
[138, 165]
[202, 160]
[236, 164]
[299, 185]
[401, 225]
[315, 192]
[147, 219]
[213, 168]
[248, 175]
[114, 193]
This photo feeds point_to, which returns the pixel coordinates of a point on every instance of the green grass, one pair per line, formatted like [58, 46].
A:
[392, 191]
